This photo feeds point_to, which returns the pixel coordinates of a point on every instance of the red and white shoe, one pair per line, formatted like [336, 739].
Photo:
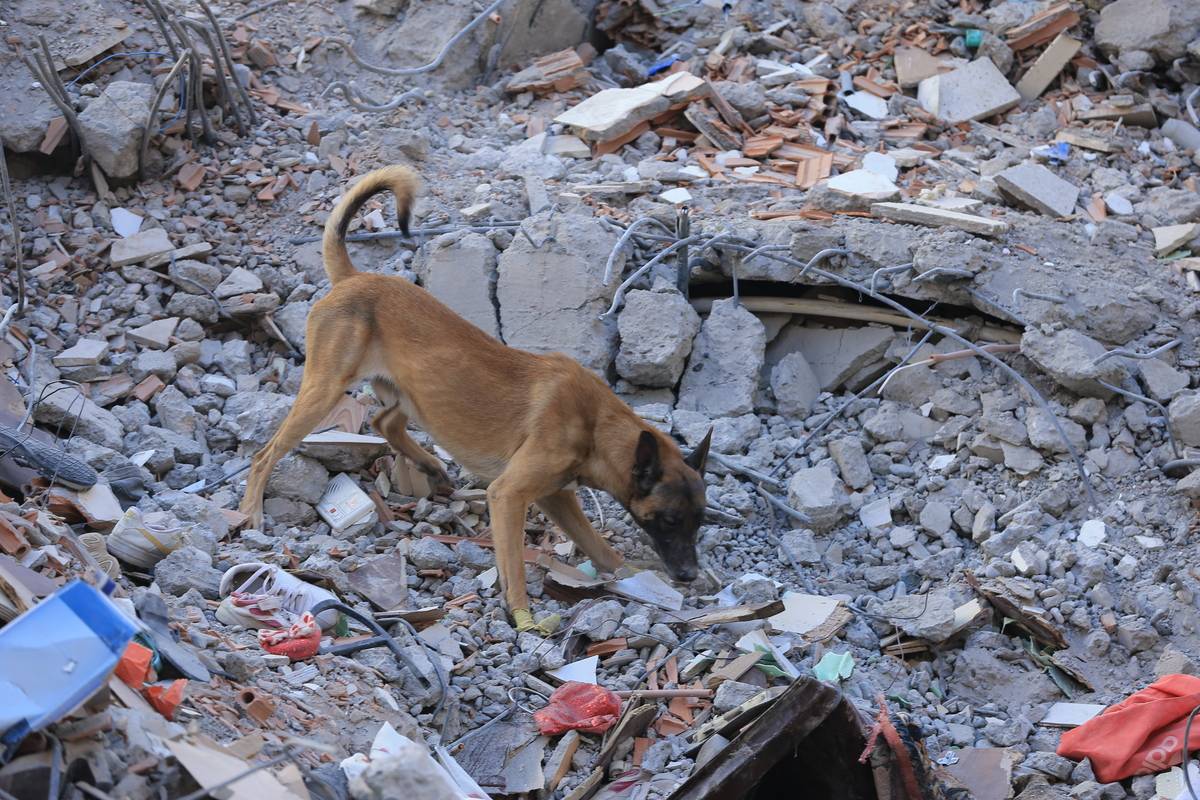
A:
[268, 597]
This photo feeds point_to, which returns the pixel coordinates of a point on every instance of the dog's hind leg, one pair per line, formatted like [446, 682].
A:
[336, 345]
[562, 507]
[392, 423]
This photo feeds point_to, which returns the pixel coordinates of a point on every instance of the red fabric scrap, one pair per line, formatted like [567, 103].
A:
[300, 641]
[1141, 735]
[578, 706]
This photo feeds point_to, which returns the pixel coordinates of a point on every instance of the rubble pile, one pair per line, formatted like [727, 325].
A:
[929, 273]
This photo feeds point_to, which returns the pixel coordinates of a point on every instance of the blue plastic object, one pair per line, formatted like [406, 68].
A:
[55, 656]
[661, 64]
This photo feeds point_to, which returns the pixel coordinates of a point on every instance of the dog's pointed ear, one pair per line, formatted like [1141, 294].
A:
[697, 458]
[647, 466]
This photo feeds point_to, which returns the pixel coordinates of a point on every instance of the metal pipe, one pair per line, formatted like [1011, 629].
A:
[432, 65]
[1121, 351]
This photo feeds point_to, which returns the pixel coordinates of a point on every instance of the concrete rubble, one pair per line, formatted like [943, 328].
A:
[986, 536]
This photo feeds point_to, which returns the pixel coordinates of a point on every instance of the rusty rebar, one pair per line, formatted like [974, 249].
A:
[432, 65]
[18, 254]
[363, 102]
[225, 97]
[1124, 353]
[158, 98]
[212, 20]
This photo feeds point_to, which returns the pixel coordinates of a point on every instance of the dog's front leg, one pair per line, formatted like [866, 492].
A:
[529, 475]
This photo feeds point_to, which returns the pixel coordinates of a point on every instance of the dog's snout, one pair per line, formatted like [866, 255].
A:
[686, 574]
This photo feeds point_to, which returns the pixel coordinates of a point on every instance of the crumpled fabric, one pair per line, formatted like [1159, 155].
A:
[297, 642]
[1142, 734]
[577, 706]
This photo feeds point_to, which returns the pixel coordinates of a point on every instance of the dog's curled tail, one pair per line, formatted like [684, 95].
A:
[403, 184]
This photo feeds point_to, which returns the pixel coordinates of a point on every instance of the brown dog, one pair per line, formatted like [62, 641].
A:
[532, 425]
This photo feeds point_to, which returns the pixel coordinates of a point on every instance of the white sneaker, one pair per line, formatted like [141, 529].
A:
[145, 540]
[268, 597]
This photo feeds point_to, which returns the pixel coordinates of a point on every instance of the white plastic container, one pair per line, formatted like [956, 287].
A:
[344, 504]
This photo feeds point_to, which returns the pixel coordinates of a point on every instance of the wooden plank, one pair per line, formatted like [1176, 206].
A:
[728, 113]
[713, 129]
[1047, 67]
[559, 763]
[743, 613]
[812, 170]
[1042, 27]
[733, 670]
[837, 310]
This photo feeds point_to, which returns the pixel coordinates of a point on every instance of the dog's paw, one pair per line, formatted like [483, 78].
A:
[254, 516]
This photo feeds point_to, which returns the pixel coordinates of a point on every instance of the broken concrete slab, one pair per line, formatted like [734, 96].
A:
[69, 410]
[938, 218]
[1034, 186]
[551, 296]
[112, 126]
[139, 247]
[460, 270]
[612, 113]
[727, 357]
[155, 334]
[1184, 416]
[864, 185]
[835, 354]
[1047, 67]
[239, 281]
[1162, 380]
[1067, 356]
[1163, 28]
[1169, 238]
[84, 353]
[976, 91]
[869, 105]
[656, 329]
[795, 386]
[914, 65]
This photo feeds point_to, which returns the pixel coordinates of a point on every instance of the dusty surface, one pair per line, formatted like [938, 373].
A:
[952, 467]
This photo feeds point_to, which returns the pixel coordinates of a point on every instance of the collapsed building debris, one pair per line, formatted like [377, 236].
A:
[926, 273]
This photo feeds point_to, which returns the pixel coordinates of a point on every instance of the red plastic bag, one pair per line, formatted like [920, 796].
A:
[1141, 735]
[578, 706]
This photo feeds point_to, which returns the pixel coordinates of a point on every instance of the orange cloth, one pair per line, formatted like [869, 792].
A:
[578, 706]
[1141, 735]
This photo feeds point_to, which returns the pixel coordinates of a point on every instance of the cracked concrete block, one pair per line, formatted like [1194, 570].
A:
[1184, 415]
[551, 296]
[795, 386]
[851, 462]
[1162, 380]
[727, 356]
[835, 354]
[976, 91]
[112, 126]
[460, 270]
[656, 329]
[1036, 187]
[817, 492]
[1067, 356]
